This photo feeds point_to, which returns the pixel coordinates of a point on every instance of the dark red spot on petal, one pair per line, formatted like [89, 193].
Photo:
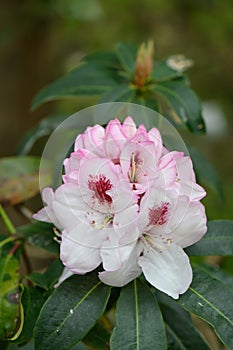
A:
[99, 185]
[158, 214]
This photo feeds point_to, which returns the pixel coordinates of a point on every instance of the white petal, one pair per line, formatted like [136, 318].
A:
[66, 273]
[78, 142]
[42, 215]
[187, 180]
[47, 213]
[115, 254]
[69, 206]
[167, 172]
[155, 198]
[122, 196]
[145, 161]
[121, 239]
[168, 271]
[126, 273]
[80, 248]
[192, 225]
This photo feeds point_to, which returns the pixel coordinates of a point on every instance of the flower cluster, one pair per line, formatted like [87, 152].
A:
[129, 204]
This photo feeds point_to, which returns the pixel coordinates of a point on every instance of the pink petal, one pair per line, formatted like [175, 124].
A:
[129, 128]
[155, 136]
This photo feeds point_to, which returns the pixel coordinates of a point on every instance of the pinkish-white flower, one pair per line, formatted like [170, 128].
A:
[129, 204]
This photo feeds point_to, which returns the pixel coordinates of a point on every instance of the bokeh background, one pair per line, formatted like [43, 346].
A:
[41, 40]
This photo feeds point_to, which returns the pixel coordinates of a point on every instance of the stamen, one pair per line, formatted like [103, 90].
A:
[150, 243]
[135, 163]
[132, 168]
[58, 240]
[106, 221]
[57, 232]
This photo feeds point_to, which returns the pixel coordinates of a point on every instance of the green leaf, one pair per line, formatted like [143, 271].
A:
[80, 346]
[210, 300]
[28, 346]
[180, 329]
[139, 323]
[19, 178]
[41, 235]
[162, 72]
[53, 272]
[95, 75]
[218, 240]
[32, 300]
[38, 279]
[49, 278]
[183, 102]
[45, 127]
[122, 93]
[218, 274]
[98, 338]
[127, 56]
[10, 294]
[70, 312]
[206, 172]
[147, 100]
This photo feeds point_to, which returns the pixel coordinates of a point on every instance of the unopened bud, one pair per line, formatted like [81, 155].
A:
[144, 63]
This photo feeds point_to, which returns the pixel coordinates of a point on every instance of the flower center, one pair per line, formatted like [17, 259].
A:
[100, 185]
[158, 214]
[135, 163]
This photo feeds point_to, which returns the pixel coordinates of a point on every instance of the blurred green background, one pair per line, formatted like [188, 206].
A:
[43, 39]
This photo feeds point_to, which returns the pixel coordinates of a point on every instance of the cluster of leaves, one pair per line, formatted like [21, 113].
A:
[83, 313]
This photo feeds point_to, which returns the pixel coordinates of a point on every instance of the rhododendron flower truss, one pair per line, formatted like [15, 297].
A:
[129, 205]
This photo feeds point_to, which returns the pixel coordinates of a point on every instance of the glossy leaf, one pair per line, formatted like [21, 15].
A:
[49, 277]
[139, 323]
[98, 338]
[127, 57]
[94, 76]
[80, 346]
[41, 235]
[45, 127]
[32, 300]
[205, 172]
[10, 293]
[218, 240]
[217, 273]
[122, 93]
[163, 72]
[210, 300]
[181, 332]
[183, 101]
[147, 100]
[19, 178]
[28, 346]
[70, 312]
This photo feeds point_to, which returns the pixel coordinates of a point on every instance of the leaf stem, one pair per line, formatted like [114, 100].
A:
[10, 227]
[7, 240]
